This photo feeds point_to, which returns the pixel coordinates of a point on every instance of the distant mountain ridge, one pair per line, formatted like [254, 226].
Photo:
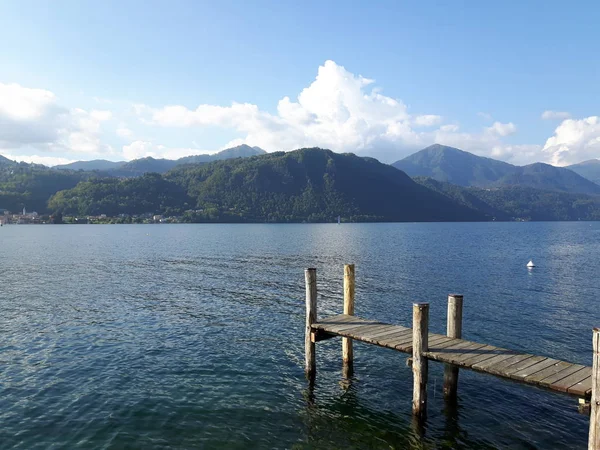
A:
[588, 169]
[6, 162]
[306, 185]
[448, 164]
[141, 166]
[519, 202]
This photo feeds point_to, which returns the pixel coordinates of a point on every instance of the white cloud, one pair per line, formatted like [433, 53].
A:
[502, 129]
[39, 159]
[574, 141]
[124, 132]
[427, 120]
[32, 118]
[485, 116]
[555, 115]
[338, 110]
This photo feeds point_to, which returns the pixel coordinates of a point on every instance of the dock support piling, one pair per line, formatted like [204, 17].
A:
[420, 363]
[310, 276]
[594, 436]
[347, 353]
[453, 330]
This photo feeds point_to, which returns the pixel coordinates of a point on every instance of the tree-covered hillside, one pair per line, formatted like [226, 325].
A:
[150, 193]
[30, 186]
[520, 203]
[304, 185]
[314, 185]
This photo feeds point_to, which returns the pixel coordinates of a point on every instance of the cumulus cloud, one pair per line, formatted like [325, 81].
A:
[124, 132]
[574, 141]
[428, 120]
[502, 129]
[33, 118]
[555, 115]
[338, 110]
[39, 159]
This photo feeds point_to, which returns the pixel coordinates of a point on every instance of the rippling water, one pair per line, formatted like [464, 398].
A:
[191, 336]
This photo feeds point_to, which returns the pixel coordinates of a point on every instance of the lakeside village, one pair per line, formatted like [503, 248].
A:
[33, 218]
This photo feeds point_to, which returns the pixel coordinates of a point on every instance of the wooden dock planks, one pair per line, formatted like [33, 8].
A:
[561, 376]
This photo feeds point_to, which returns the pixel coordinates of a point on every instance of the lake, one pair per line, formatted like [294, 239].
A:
[192, 336]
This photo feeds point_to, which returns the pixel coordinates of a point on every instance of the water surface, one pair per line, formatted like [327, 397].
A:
[191, 336]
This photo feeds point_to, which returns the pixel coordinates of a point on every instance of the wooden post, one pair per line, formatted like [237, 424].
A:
[594, 436]
[347, 353]
[311, 317]
[420, 363]
[453, 330]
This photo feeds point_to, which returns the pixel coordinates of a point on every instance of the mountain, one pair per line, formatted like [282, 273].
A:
[31, 185]
[311, 185]
[519, 203]
[588, 169]
[241, 151]
[462, 168]
[96, 164]
[138, 167]
[545, 176]
[454, 166]
[5, 162]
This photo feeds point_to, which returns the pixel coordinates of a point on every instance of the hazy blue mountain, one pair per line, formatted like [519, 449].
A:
[5, 162]
[454, 166]
[138, 167]
[519, 202]
[588, 169]
[96, 164]
[241, 151]
[462, 168]
[545, 176]
[141, 166]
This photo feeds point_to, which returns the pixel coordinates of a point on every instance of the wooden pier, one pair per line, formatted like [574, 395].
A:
[536, 370]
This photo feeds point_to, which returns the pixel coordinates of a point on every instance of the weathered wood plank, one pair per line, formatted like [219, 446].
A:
[497, 355]
[360, 331]
[548, 371]
[564, 384]
[348, 326]
[561, 375]
[390, 337]
[336, 320]
[582, 387]
[487, 355]
[533, 369]
[440, 342]
[500, 367]
[447, 354]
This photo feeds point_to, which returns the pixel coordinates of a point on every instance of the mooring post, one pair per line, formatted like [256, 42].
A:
[310, 276]
[347, 353]
[420, 363]
[453, 330]
[594, 437]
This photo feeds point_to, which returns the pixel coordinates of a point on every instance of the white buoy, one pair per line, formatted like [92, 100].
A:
[530, 264]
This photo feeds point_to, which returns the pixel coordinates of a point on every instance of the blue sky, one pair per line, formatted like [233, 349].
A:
[118, 80]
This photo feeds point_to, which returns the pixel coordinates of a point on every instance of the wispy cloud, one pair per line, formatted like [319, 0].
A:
[555, 115]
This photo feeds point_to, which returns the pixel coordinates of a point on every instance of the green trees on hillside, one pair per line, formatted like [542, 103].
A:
[150, 193]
